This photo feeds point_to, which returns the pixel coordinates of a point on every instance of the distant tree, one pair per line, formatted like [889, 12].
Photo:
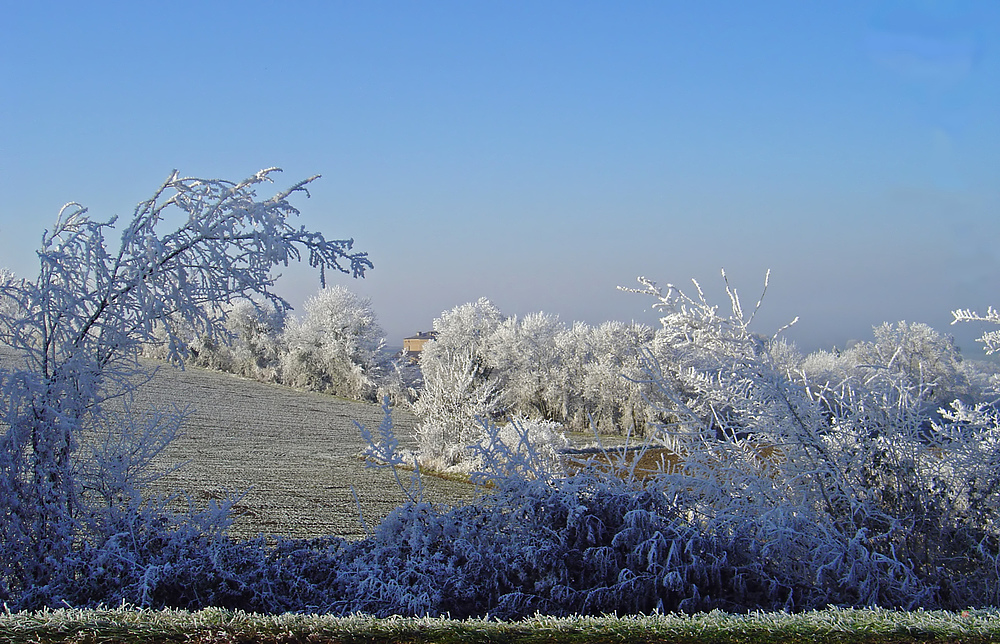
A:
[78, 329]
[251, 346]
[255, 347]
[611, 389]
[598, 371]
[523, 353]
[8, 305]
[910, 359]
[336, 347]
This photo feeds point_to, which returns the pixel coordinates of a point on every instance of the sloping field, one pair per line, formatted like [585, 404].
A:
[294, 453]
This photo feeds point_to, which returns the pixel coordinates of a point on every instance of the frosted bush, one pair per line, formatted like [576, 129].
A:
[845, 489]
[519, 440]
[336, 347]
[455, 396]
[402, 380]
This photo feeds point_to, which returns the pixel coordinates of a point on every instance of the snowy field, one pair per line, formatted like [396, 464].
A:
[294, 454]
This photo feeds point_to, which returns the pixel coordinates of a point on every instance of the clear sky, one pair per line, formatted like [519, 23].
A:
[542, 153]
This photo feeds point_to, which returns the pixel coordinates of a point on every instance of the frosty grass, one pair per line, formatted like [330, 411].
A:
[214, 625]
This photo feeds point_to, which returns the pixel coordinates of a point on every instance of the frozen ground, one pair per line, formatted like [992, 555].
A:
[294, 453]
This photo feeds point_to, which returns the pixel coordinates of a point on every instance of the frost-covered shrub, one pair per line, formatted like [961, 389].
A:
[541, 442]
[575, 545]
[336, 347]
[456, 395]
[77, 331]
[8, 306]
[848, 493]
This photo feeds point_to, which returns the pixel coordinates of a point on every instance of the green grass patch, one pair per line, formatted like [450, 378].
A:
[835, 626]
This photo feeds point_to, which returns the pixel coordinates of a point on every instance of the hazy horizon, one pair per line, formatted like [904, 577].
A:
[542, 154]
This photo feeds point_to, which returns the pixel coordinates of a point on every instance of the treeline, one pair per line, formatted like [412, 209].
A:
[337, 347]
[485, 365]
[553, 377]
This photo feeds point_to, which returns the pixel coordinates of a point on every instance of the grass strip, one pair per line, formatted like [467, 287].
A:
[212, 626]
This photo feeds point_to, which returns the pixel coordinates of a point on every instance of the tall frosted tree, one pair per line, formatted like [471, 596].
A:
[77, 330]
[459, 386]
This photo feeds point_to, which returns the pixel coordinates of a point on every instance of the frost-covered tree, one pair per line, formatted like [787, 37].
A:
[8, 306]
[467, 326]
[78, 328]
[484, 365]
[459, 386]
[524, 354]
[336, 347]
[612, 394]
[911, 359]
[255, 346]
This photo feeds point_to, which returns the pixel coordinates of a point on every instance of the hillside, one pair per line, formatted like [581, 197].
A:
[294, 453]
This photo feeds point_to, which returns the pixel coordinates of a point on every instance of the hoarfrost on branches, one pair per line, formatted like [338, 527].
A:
[990, 339]
[77, 331]
[483, 365]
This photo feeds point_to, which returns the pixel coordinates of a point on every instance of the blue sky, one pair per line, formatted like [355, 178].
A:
[542, 153]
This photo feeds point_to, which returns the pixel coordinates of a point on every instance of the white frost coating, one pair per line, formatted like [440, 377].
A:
[485, 366]
[78, 329]
[990, 339]
[336, 347]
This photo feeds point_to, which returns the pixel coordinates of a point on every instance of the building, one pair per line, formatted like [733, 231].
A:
[413, 345]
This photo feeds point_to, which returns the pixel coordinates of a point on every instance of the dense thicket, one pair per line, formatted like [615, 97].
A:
[610, 537]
